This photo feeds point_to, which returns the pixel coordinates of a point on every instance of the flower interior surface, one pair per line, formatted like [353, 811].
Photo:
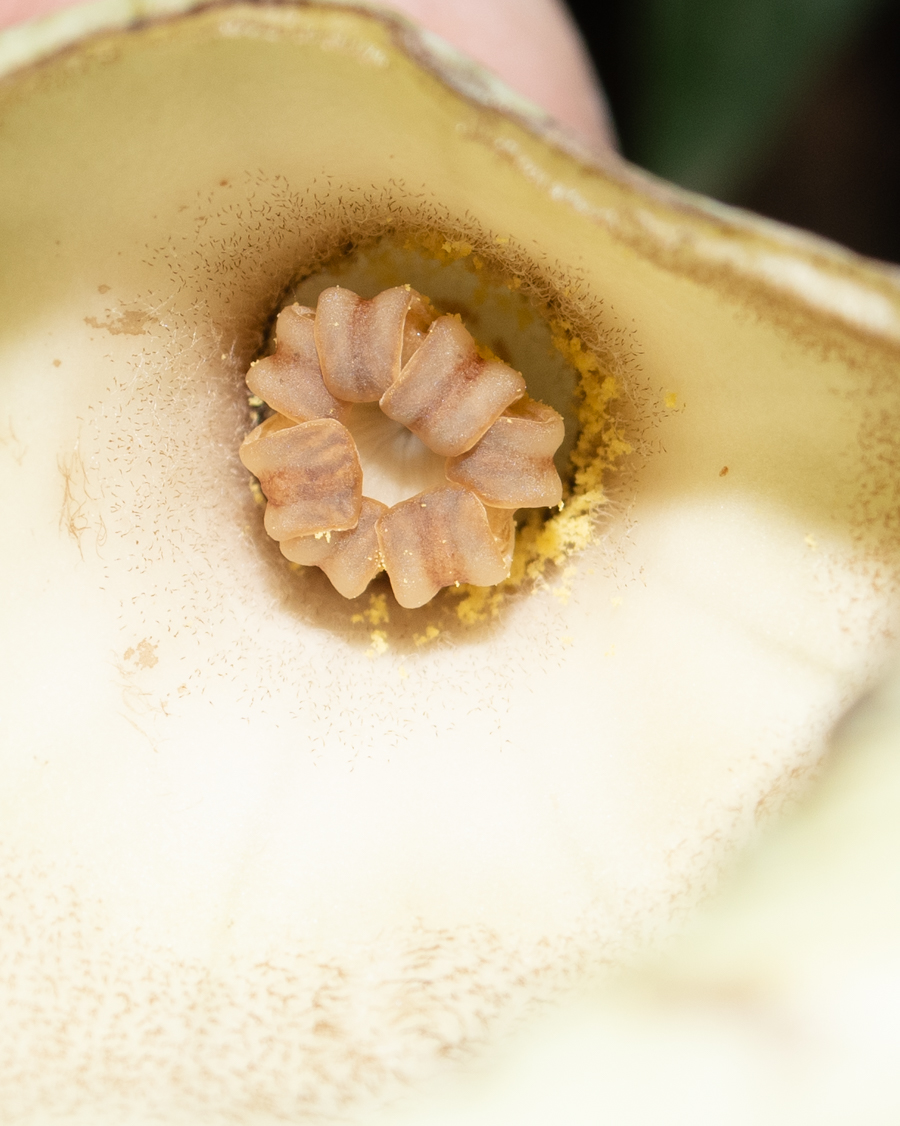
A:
[293, 854]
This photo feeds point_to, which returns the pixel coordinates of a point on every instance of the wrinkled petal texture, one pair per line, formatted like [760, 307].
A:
[290, 381]
[350, 559]
[512, 466]
[361, 343]
[438, 538]
[447, 395]
[310, 474]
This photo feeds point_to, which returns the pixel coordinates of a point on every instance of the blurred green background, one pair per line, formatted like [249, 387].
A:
[789, 107]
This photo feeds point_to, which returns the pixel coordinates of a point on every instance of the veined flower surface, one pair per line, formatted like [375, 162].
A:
[264, 848]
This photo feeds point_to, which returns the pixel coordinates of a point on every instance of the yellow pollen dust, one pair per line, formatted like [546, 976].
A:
[600, 446]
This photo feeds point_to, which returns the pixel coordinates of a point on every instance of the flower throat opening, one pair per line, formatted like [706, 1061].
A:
[398, 441]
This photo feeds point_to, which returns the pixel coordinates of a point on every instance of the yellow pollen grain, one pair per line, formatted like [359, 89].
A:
[257, 493]
[562, 593]
[480, 602]
[431, 632]
[671, 401]
[377, 613]
[378, 638]
[457, 248]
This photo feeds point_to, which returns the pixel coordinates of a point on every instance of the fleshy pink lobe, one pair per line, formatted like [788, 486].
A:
[309, 473]
[512, 466]
[440, 537]
[350, 559]
[362, 343]
[290, 380]
[447, 394]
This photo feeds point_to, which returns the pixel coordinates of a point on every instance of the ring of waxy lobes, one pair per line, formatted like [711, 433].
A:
[426, 373]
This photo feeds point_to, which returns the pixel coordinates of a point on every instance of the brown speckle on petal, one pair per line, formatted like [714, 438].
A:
[350, 559]
[290, 380]
[361, 344]
[310, 475]
[512, 466]
[447, 394]
[437, 538]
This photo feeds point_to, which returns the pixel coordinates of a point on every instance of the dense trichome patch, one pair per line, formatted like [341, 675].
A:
[440, 400]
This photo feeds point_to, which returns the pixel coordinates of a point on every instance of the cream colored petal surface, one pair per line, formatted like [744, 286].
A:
[290, 380]
[310, 475]
[435, 539]
[447, 394]
[779, 1005]
[512, 465]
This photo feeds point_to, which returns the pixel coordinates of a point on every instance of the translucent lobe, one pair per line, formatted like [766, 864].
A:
[290, 380]
[309, 473]
[446, 394]
[440, 537]
[362, 343]
[419, 319]
[503, 526]
[512, 466]
[350, 559]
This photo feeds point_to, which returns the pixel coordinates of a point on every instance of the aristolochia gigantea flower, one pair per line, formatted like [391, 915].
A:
[272, 854]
